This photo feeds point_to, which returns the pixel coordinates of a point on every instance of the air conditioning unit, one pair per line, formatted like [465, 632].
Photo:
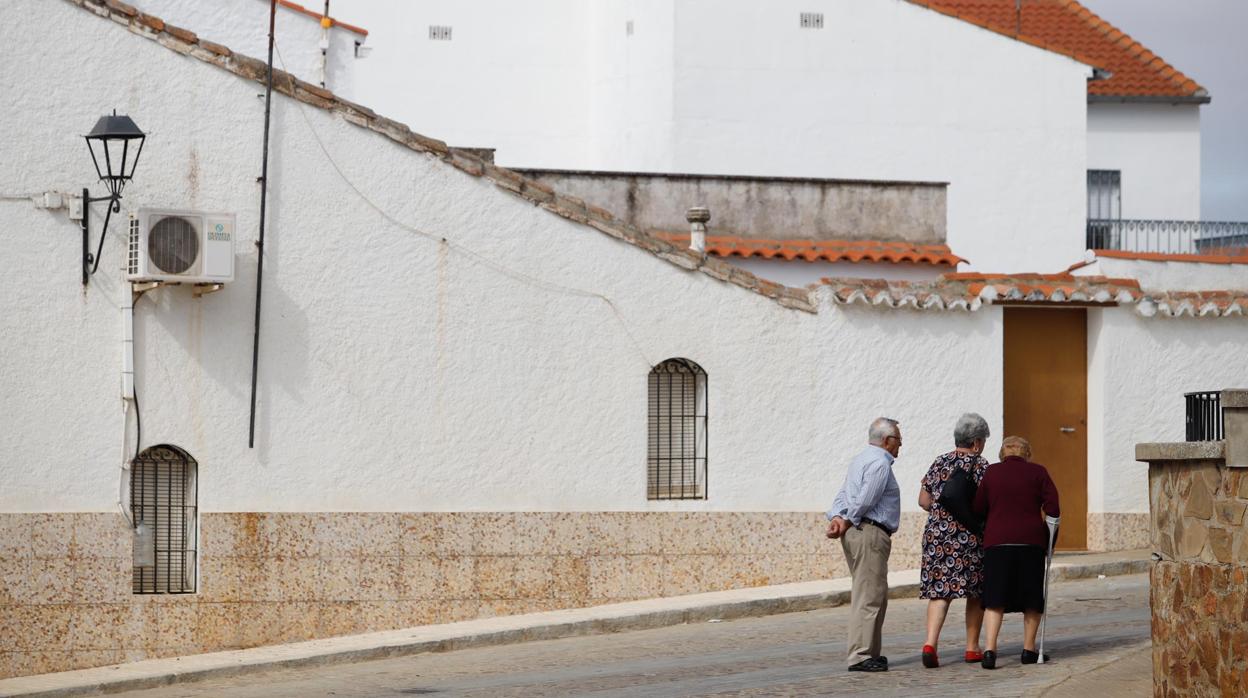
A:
[194, 247]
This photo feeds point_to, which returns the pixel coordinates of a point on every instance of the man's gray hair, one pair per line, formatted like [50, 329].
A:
[969, 429]
[881, 428]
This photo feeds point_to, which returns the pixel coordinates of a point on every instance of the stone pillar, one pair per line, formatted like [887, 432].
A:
[1235, 427]
[1199, 578]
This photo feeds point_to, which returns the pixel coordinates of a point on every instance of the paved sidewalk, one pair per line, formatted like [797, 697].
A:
[637, 615]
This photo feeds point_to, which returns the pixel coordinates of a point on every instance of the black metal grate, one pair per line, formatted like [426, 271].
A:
[163, 499]
[1204, 416]
[1104, 194]
[676, 449]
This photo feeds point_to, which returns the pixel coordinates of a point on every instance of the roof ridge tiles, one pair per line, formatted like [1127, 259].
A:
[1135, 71]
[1178, 78]
[246, 67]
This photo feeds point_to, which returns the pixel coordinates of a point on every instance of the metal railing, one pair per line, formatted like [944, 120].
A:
[1224, 238]
[1204, 416]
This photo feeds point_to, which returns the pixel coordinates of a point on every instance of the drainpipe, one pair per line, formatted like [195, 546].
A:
[127, 390]
[698, 216]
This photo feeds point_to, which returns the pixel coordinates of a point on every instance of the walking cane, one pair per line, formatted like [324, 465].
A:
[1052, 522]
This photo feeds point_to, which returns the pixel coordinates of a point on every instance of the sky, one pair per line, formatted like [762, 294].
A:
[1205, 40]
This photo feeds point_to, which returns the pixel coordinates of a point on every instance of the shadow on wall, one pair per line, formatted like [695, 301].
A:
[215, 331]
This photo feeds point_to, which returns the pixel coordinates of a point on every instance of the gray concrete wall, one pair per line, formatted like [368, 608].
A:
[776, 208]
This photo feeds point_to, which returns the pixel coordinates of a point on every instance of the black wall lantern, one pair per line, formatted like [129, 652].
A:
[115, 144]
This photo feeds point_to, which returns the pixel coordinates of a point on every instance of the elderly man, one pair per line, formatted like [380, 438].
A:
[864, 515]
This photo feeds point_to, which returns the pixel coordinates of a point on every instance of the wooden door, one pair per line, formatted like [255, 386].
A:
[1046, 402]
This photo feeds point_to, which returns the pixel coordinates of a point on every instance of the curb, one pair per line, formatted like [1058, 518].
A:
[551, 625]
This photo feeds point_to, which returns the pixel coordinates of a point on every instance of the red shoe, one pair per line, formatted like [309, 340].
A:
[972, 657]
[930, 660]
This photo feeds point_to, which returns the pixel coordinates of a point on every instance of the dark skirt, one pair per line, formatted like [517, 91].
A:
[1014, 578]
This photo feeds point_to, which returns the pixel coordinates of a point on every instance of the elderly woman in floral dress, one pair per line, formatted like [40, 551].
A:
[953, 565]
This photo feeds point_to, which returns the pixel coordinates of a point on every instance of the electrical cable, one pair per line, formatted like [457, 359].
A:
[134, 387]
[479, 258]
[138, 426]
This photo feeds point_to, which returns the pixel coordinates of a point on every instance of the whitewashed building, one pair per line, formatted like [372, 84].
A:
[476, 394]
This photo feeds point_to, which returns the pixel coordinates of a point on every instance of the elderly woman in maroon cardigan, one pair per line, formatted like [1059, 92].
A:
[1013, 494]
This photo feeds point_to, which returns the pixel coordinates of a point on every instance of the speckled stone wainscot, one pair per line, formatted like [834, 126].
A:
[265, 578]
[1117, 530]
[1198, 494]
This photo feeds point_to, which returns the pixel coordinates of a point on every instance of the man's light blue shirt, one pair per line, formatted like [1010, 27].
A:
[870, 490]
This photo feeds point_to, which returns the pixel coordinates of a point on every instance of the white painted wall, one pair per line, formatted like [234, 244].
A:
[515, 75]
[1138, 370]
[633, 84]
[398, 374]
[1157, 148]
[1171, 276]
[799, 273]
[243, 25]
[886, 90]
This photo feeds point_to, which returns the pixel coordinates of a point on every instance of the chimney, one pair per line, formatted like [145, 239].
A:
[698, 217]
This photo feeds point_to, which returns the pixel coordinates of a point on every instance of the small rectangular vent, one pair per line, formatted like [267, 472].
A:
[812, 20]
[628, 28]
[439, 32]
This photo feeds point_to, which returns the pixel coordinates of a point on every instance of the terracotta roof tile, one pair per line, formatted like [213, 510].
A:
[823, 250]
[971, 292]
[1066, 27]
[1195, 304]
[1241, 258]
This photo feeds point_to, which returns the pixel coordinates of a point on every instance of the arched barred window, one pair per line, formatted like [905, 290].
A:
[676, 451]
[164, 503]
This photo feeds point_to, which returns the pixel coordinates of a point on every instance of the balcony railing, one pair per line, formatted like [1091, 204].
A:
[1223, 238]
[1204, 416]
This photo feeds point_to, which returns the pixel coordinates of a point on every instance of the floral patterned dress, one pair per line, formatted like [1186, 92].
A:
[953, 561]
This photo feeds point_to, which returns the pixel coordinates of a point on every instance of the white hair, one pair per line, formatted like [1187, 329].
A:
[969, 429]
[881, 428]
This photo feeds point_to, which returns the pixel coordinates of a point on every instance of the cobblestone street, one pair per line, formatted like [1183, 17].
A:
[1098, 635]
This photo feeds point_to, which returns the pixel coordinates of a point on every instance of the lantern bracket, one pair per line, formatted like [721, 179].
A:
[91, 262]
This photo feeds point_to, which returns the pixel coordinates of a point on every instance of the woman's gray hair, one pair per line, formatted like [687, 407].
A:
[970, 428]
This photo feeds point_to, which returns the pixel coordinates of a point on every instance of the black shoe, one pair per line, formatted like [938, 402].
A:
[990, 660]
[1030, 657]
[873, 664]
[884, 660]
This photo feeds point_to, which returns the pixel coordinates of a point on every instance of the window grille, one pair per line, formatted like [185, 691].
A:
[676, 453]
[1104, 207]
[163, 499]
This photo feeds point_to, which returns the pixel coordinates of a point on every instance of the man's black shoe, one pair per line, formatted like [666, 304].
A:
[990, 660]
[1030, 657]
[884, 660]
[873, 664]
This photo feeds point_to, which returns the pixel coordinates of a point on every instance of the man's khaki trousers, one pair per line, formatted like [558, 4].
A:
[866, 551]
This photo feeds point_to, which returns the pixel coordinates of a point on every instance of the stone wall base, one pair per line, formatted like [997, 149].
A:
[1117, 531]
[66, 598]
